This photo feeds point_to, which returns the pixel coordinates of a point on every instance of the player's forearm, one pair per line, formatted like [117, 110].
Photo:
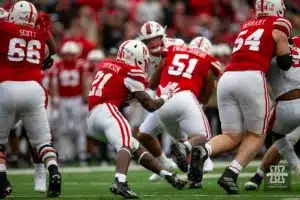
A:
[147, 102]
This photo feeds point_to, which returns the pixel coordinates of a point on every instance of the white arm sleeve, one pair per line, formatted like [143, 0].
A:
[133, 85]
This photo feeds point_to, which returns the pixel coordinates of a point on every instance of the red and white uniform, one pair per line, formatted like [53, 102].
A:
[285, 116]
[68, 79]
[140, 114]
[23, 97]
[242, 90]
[112, 85]
[182, 116]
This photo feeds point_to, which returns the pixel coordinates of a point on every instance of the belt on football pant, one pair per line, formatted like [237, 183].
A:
[291, 95]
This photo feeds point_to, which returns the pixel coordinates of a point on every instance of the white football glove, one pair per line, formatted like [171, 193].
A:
[168, 91]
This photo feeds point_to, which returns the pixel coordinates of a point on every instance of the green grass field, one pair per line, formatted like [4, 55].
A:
[93, 183]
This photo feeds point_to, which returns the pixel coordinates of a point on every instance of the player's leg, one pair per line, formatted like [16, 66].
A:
[106, 123]
[7, 121]
[14, 145]
[34, 117]
[255, 106]
[232, 128]
[147, 136]
[149, 162]
[80, 136]
[286, 120]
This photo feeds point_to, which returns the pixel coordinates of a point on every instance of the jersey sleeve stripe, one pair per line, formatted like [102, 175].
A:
[282, 23]
[137, 74]
[136, 70]
[285, 21]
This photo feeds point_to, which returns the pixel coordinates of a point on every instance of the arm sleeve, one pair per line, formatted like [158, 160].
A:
[135, 80]
[134, 85]
[283, 25]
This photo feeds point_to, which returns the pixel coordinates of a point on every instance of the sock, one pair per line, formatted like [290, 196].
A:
[236, 167]
[208, 148]
[51, 162]
[164, 173]
[260, 173]
[2, 168]
[39, 166]
[162, 158]
[286, 149]
[121, 177]
[188, 145]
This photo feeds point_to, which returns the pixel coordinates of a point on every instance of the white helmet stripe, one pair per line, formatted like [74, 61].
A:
[31, 11]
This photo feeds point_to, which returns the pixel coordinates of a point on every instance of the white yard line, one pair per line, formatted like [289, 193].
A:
[218, 165]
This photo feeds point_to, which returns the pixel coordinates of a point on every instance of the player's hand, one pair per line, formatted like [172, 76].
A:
[48, 62]
[169, 90]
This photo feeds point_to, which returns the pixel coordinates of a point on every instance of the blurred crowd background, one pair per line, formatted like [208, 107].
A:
[104, 24]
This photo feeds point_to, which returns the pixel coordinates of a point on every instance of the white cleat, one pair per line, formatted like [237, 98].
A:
[249, 186]
[40, 180]
[169, 166]
[208, 165]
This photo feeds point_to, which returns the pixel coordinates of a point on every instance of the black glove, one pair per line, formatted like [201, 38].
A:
[48, 62]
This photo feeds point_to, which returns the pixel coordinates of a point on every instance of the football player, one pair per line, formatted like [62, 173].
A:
[126, 75]
[69, 92]
[243, 99]
[23, 52]
[154, 36]
[194, 71]
[285, 129]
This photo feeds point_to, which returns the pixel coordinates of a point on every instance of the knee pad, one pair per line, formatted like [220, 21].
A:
[46, 151]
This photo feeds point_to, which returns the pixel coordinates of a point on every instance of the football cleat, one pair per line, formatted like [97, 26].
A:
[5, 189]
[253, 183]
[54, 188]
[119, 188]
[194, 185]
[228, 181]
[169, 165]
[198, 157]
[180, 151]
[40, 181]
[175, 181]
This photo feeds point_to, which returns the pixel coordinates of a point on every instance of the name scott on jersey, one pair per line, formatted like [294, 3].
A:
[27, 33]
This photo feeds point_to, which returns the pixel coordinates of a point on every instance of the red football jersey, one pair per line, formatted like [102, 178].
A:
[255, 46]
[21, 52]
[114, 82]
[188, 67]
[296, 51]
[69, 77]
